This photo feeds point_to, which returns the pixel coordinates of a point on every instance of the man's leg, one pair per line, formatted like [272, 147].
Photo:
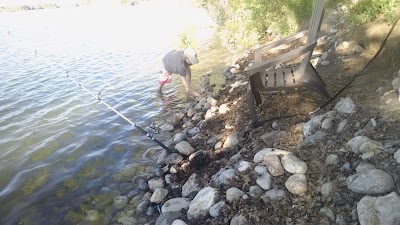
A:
[159, 86]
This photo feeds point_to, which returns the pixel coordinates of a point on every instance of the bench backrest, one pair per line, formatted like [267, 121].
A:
[315, 24]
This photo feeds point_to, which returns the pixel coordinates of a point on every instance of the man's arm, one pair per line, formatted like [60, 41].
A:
[186, 80]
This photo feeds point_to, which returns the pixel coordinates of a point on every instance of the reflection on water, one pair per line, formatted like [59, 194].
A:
[60, 149]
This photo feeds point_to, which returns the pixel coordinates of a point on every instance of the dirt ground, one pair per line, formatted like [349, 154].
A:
[366, 91]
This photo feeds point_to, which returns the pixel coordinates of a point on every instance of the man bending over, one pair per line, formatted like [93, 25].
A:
[178, 62]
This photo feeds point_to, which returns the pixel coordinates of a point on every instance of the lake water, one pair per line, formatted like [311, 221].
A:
[58, 144]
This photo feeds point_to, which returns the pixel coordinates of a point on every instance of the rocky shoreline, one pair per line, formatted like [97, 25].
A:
[339, 166]
[217, 178]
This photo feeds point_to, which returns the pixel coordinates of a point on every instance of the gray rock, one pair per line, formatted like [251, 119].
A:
[155, 183]
[169, 178]
[297, 184]
[234, 194]
[373, 181]
[150, 211]
[218, 145]
[340, 220]
[197, 107]
[294, 165]
[214, 139]
[318, 136]
[370, 146]
[255, 191]
[332, 159]
[355, 143]
[178, 137]
[184, 148]
[173, 158]
[325, 62]
[197, 117]
[239, 220]
[244, 166]
[231, 141]
[158, 195]
[275, 194]
[327, 189]
[133, 193]
[193, 131]
[363, 166]
[396, 156]
[345, 106]
[312, 125]
[275, 125]
[214, 109]
[223, 176]
[373, 122]
[223, 109]
[161, 157]
[341, 126]
[382, 210]
[272, 137]
[327, 124]
[396, 83]
[167, 218]
[187, 124]
[120, 202]
[328, 213]
[179, 116]
[265, 181]
[390, 98]
[126, 220]
[179, 222]
[346, 167]
[207, 106]
[367, 155]
[358, 49]
[324, 56]
[142, 206]
[216, 209]
[212, 101]
[260, 155]
[261, 169]
[191, 112]
[202, 203]
[274, 165]
[175, 205]
[192, 185]
[167, 127]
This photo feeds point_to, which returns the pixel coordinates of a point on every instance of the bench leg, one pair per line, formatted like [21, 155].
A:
[250, 103]
[257, 97]
[255, 80]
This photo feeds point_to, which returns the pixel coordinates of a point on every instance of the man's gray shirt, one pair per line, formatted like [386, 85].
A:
[174, 63]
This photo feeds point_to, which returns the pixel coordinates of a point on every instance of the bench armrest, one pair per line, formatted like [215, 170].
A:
[257, 51]
[258, 67]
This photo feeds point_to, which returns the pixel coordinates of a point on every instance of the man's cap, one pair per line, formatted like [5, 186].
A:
[191, 54]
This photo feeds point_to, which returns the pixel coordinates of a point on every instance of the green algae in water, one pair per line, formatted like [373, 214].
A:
[35, 181]
[97, 210]
[71, 184]
[42, 153]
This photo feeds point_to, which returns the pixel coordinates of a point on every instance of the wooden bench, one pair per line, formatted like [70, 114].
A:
[263, 77]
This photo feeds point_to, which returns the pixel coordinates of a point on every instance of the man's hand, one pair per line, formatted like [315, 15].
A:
[195, 93]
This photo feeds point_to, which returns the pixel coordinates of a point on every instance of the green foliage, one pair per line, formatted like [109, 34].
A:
[243, 22]
[185, 40]
[367, 10]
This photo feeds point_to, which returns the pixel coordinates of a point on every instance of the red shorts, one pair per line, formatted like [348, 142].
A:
[165, 76]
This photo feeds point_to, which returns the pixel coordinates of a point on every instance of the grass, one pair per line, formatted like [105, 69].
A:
[363, 11]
